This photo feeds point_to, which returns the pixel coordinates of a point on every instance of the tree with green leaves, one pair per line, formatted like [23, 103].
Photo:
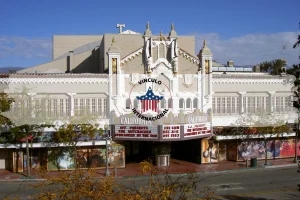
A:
[274, 67]
[296, 98]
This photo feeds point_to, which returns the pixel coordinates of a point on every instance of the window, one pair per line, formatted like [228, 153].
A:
[136, 103]
[128, 104]
[228, 108]
[233, 105]
[94, 106]
[99, 105]
[67, 107]
[188, 103]
[163, 103]
[104, 107]
[61, 107]
[181, 103]
[218, 105]
[170, 103]
[223, 101]
[195, 103]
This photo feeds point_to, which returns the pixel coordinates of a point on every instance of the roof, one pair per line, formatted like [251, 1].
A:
[129, 32]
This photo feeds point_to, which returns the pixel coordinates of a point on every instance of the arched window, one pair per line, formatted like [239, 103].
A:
[136, 103]
[188, 103]
[128, 104]
[181, 103]
[163, 103]
[195, 103]
[170, 103]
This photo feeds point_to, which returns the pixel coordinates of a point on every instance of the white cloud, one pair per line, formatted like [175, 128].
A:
[251, 49]
[24, 47]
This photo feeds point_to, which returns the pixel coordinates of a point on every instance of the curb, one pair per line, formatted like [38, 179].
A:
[279, 166]
[22, 180]
[260, 167]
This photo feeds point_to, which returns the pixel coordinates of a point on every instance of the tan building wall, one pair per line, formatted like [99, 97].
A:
[64, 43]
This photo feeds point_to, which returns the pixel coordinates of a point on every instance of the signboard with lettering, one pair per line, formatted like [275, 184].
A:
[170, 131]
[136, 131]
[192, 130]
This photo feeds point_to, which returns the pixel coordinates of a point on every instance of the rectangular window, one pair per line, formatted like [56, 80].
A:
[61, 107]
[223, 109]
[214, 104]
[105, 106]
[228, 108]
[233, 104]
[218, 105]
[245, 104]
[76, 110]
[94, 110]
[67, 107]
[87, 106]
[100, 107]
[81, 106]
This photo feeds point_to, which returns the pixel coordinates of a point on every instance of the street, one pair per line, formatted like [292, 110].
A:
[262, 184]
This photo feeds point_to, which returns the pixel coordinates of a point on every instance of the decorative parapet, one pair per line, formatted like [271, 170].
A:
[54, 78]
[189, 56]
[251, 79]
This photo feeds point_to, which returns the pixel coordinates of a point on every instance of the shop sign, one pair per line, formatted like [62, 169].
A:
[170, 131]
[192, 130]
[136, 131]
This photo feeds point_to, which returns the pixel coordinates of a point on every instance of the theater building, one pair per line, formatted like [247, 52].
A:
[155, 92]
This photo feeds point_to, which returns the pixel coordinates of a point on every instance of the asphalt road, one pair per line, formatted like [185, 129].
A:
[259, 184]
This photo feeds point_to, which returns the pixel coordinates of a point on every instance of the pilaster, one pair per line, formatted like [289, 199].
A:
[71, 95]
[241, 104]
[270, 109]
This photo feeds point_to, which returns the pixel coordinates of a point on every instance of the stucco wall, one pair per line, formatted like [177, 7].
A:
[64, 43]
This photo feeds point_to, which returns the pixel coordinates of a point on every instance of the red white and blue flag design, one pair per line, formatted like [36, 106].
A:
[149, 101]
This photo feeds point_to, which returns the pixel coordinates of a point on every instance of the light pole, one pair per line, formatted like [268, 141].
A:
[106, 126]
[296, 138]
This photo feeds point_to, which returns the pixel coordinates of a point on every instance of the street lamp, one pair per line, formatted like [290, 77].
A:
[296, 138]
[106, 126]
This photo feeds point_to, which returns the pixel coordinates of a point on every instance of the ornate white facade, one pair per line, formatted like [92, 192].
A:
[102, 77]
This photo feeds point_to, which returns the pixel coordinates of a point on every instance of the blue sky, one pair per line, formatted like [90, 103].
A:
[245, 31]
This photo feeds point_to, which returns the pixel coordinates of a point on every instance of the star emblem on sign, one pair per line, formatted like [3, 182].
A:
[149, 101]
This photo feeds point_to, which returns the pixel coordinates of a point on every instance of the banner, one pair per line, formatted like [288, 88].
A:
[274, 149]
[209, 152]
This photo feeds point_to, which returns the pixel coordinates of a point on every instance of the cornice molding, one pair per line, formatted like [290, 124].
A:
[250, 79]
[189, 56]
[53, 80]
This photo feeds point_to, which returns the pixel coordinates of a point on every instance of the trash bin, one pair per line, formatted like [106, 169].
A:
[253, 162]
[163, 160]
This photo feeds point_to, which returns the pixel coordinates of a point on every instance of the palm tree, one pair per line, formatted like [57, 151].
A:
[265, 66]
[277, 66]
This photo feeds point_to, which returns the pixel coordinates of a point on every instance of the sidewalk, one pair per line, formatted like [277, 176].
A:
[176, 167]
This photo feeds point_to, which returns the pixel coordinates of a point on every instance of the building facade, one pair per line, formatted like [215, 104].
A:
[157, 96]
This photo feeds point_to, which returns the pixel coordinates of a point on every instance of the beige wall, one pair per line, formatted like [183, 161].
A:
[186, 66]
[134, 65]
[64, 43]
[56, 66]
